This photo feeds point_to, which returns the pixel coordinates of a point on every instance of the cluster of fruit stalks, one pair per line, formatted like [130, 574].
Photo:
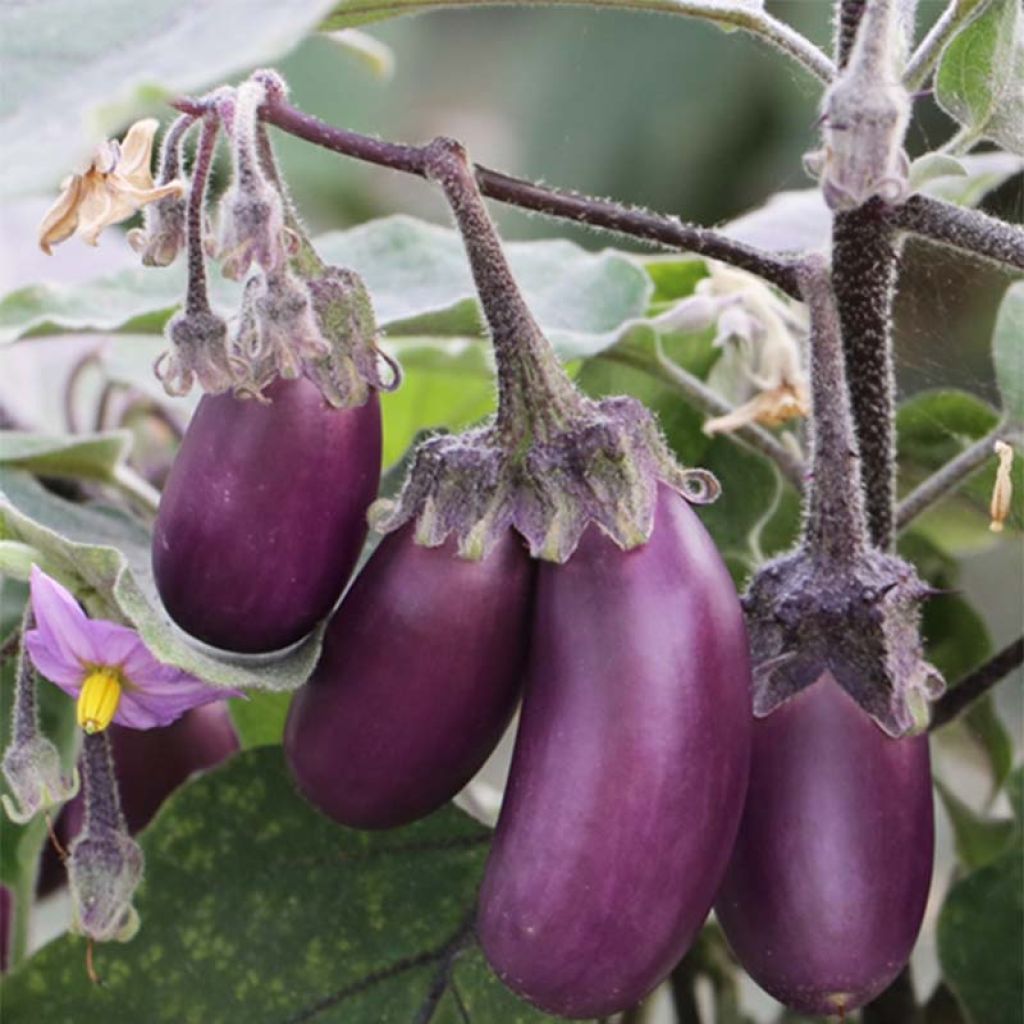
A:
[550, 555]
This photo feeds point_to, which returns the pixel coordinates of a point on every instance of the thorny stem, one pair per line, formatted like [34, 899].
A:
[711, 403]
[835, 527]
[960, 228]
[99, 783]
[946, 480]
[532, 386]
[976, 684]
[920, 65]
[777, 269]
[196, 297]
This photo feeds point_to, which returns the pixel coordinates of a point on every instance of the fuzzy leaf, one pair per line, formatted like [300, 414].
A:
[75, 72]
[417, 275]
[256, 908]
[259, 721]
[107, 552]
[980, 80]
[90, 457]
[981, 945]
[1008, 351]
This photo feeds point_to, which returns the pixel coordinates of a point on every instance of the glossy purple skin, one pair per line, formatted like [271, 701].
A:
[264, 515]
[829, 878]
[421, 670]
[150, 764]
[629, 771]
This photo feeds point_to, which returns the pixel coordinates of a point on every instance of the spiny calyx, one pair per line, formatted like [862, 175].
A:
[861, 624]
[602, 466]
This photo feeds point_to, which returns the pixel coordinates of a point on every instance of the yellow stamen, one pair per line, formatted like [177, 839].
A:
[1002, 492]
[98, 701]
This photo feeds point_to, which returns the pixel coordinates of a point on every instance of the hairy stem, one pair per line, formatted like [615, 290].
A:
[735, 14]
[777, 269]
[946, 480]
[532, 386]
[976, 684]
[196, 298]
[835, 527]
[170, 149]
[25, 713]
[99, 783]
[958, 227]
[864, 267]
[848, 15]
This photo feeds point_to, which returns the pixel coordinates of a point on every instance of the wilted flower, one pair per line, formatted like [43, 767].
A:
[1002, 491]
[115, 185]
[106, 666]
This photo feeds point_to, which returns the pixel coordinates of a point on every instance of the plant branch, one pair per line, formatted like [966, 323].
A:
[946, 480]
[924, 58]
[960, 228]
[712, 404]
[735, 15]
[976, 684]
[777, 269]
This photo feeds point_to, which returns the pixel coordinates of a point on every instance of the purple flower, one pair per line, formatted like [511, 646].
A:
[106, 666]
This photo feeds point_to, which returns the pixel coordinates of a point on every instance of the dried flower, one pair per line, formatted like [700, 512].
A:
[106, 666]
[1002, 491]
[115, 185]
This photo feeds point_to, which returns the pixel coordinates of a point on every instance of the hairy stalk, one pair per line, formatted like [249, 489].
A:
[99, 783]
[736, 15]
[835, 529]
[958, 227]
[946, 480]
[527, 365]
[864, 268]
[197, 299]
[848, 15]
[777, 269]
[977, 683]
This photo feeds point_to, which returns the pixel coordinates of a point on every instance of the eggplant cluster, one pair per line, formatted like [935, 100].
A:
[630, 764]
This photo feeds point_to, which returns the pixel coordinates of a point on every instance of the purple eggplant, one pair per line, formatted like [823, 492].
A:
[829, 878]
[263, 515]
[421, 670]
[150, 765]
[629, 770]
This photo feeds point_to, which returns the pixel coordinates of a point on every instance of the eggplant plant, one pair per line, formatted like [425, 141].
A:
[606, 661]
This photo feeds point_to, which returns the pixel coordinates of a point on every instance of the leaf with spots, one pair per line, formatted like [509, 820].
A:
[255, 908]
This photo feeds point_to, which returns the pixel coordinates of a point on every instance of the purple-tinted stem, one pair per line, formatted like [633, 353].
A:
[778, 269]
[975, 685]
[170, 151]
[196, 298]
[836, 526]
[99, 783]
[532, 386]
[25, 713]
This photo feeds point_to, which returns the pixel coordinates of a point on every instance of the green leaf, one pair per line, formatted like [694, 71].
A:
[256, 908]
[987, 728]
[447, 382]
[980, 80]
[981, 943]
[107, 552]
[1008, 351]
[934, 427]
[75, 72]
[416, 272]
[979, 840]
[89, 456]
[259, 721]
[985, 173]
